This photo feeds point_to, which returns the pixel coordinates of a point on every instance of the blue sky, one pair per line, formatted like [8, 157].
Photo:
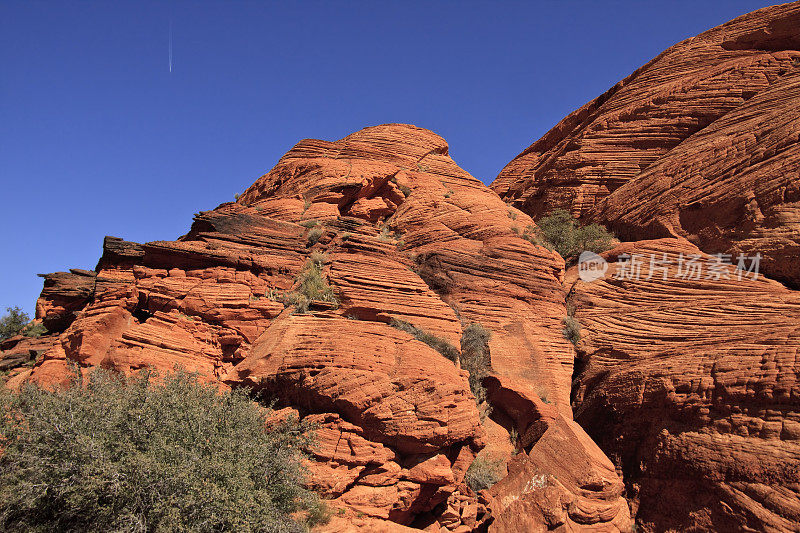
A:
[98, 138]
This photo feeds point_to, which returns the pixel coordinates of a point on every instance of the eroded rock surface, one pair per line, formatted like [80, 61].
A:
[689, 381]
[401, 235]
[702, 142]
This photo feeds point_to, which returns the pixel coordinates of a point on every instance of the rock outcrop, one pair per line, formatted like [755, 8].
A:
[689, 384]
[701, 143]
[689, 379]
[405, 241]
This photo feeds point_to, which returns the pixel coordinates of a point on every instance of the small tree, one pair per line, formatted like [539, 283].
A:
[560, 231]
[144, 454]
[13, 322]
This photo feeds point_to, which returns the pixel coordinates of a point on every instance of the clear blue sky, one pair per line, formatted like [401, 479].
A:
[98, 138]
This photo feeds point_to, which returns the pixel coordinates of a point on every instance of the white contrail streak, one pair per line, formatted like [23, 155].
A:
[170, 46]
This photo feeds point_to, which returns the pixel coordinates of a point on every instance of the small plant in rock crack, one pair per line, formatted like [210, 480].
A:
[476, 360]
[572, 330]
[513, 438]
[437, 343]
[314, 235]
[483, 473]
[312, 286]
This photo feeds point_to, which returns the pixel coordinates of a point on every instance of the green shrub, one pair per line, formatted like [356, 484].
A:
[405, 189]
[312, 286]
[314, 235]
[437, 343]
[572, 330]
[148, 453]
[13, 322]
[560, 232]
[476, 360]
[483, 473]
[34, 329]
[310, 223]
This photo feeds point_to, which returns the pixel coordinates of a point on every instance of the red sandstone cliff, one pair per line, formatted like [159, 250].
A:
[701, 143]
[690, 385]
[685, 391]
[406, 235]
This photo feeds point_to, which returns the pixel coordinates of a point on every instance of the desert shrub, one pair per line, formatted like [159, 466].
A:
[405, 189]
[34, 329]
[572, 330]
[13, 322]
[476, 360]
[512, 214]
[148, 453]
[312, 285]
[513, 438]
[310, 223]
[542, 393]
[437, 343]
[314, 235]
[560, 232]
[483, 473]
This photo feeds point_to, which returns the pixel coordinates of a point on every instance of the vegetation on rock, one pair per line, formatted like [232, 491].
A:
[483, 473]
[13, 322]
[560, 231]
[475, 358]
[572, 330]
[149, 453]
[440, 345]
[313, 286]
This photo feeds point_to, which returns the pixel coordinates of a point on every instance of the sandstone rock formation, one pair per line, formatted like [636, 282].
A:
[401, 235]
[690, 382]
[701, 142]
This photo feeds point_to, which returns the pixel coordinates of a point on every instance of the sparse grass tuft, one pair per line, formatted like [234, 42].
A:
[483, 473]
[312, 286]
[314, 235]
[475, 358]
[437, 343]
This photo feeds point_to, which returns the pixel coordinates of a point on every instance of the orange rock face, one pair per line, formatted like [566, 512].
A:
[690, 384]
[400, 234]
[701, 143]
